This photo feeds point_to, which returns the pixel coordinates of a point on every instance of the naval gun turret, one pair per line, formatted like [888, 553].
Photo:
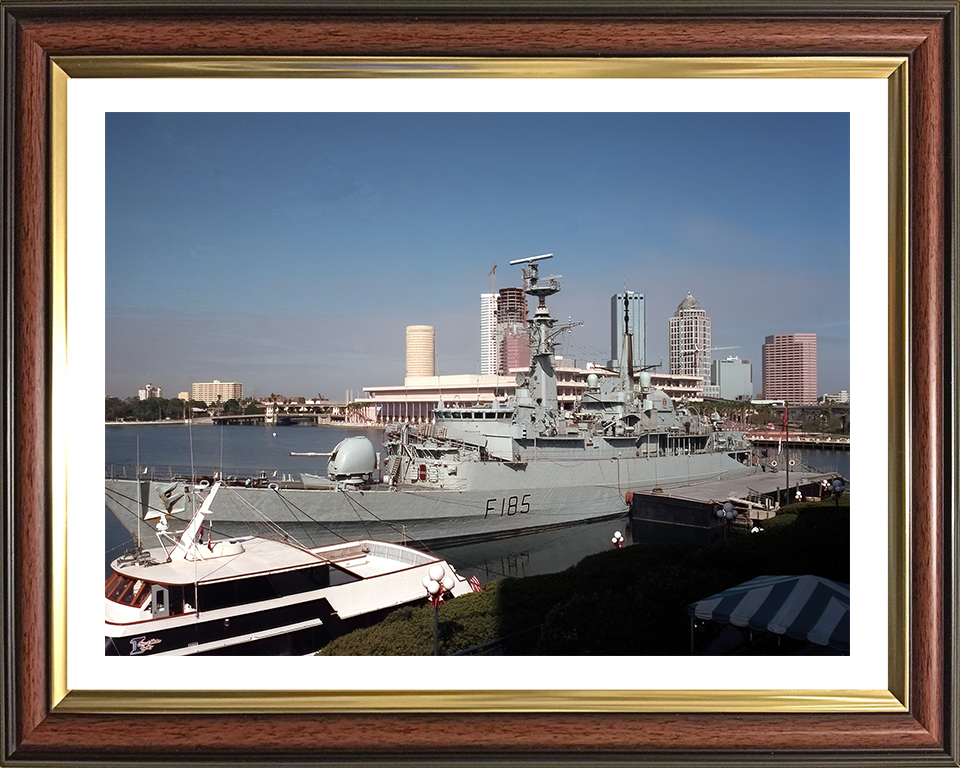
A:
[353, 461]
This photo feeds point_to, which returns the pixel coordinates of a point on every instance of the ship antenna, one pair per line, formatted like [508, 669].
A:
[626, 366]
[534, 286]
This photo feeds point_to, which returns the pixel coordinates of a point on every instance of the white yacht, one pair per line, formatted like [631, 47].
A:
[257, 596]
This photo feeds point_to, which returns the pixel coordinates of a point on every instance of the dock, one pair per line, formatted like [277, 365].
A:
[689, 512]
[836, 442]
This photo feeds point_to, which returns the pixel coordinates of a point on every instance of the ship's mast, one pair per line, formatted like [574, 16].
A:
[543, 380]
[533, 285]
[626, 353]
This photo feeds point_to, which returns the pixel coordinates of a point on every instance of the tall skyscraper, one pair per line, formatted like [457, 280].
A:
[690, 343]
[636, 310]
[489, 348]
[790, 368]
[421, 351]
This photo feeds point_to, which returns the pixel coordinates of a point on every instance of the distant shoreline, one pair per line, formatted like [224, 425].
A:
[171, 422]
[209, 422]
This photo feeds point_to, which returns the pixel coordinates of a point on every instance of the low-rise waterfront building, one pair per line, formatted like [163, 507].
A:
[841, 397]
[416, 399]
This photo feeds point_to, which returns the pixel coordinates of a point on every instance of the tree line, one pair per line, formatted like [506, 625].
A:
[160, 408]
[824, 420]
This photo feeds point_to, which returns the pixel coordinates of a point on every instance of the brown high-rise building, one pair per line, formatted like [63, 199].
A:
[790, 368]
[512, 333]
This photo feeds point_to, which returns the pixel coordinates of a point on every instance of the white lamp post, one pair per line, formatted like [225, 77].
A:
[837, 490]
[617, 539]
[726, 513]
[437, 582]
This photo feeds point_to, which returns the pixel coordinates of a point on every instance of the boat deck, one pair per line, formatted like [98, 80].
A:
[265, 555]
[369, 566]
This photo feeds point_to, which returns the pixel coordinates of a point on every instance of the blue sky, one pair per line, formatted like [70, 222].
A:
[290, 251]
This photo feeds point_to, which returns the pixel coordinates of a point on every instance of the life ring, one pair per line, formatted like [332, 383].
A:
[273, 487]
[203, 484]
[792, 462]
[773, 463]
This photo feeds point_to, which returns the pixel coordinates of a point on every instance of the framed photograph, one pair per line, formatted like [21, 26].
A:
[378, 711]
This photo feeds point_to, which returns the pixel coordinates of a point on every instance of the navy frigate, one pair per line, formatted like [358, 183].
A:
[480, 472]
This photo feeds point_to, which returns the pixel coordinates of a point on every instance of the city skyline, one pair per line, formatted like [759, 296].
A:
[291, 251]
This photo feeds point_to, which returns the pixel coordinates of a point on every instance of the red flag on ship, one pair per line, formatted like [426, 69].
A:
[785, 413]
[475, 584]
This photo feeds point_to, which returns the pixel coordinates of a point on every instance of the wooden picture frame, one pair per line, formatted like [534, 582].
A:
[922, 723]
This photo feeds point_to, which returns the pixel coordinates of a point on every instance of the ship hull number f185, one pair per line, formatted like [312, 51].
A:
[508, 505]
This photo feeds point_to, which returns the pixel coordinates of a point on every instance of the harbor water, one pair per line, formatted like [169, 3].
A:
[251, 451]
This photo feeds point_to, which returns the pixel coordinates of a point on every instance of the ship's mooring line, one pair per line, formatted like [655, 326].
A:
[355, 503]
[169, 515]
[150, 507]
[125, 545]
[410, 493]
[307, 515]
[400, 530]
[403, 533]
[268, 523]
[423, 547]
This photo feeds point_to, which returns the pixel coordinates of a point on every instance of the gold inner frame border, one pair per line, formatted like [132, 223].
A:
[893, 69]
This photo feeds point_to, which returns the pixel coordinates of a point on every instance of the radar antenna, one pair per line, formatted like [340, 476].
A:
[531, 258]
[541, 333]
[532, 283]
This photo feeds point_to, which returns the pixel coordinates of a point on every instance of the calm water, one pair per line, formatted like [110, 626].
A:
[248, 450]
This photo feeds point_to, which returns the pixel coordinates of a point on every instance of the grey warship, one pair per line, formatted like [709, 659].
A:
[481, 472]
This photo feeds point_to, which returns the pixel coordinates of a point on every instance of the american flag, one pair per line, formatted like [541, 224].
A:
[475, 584]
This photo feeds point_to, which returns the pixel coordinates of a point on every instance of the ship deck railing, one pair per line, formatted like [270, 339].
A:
[170, 473]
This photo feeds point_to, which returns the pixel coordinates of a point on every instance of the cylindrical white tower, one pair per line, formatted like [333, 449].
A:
[421, 351]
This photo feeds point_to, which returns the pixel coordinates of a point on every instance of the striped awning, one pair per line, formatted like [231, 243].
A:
[803, 607]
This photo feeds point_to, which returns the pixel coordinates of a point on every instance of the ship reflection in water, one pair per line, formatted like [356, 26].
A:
[533, 554]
